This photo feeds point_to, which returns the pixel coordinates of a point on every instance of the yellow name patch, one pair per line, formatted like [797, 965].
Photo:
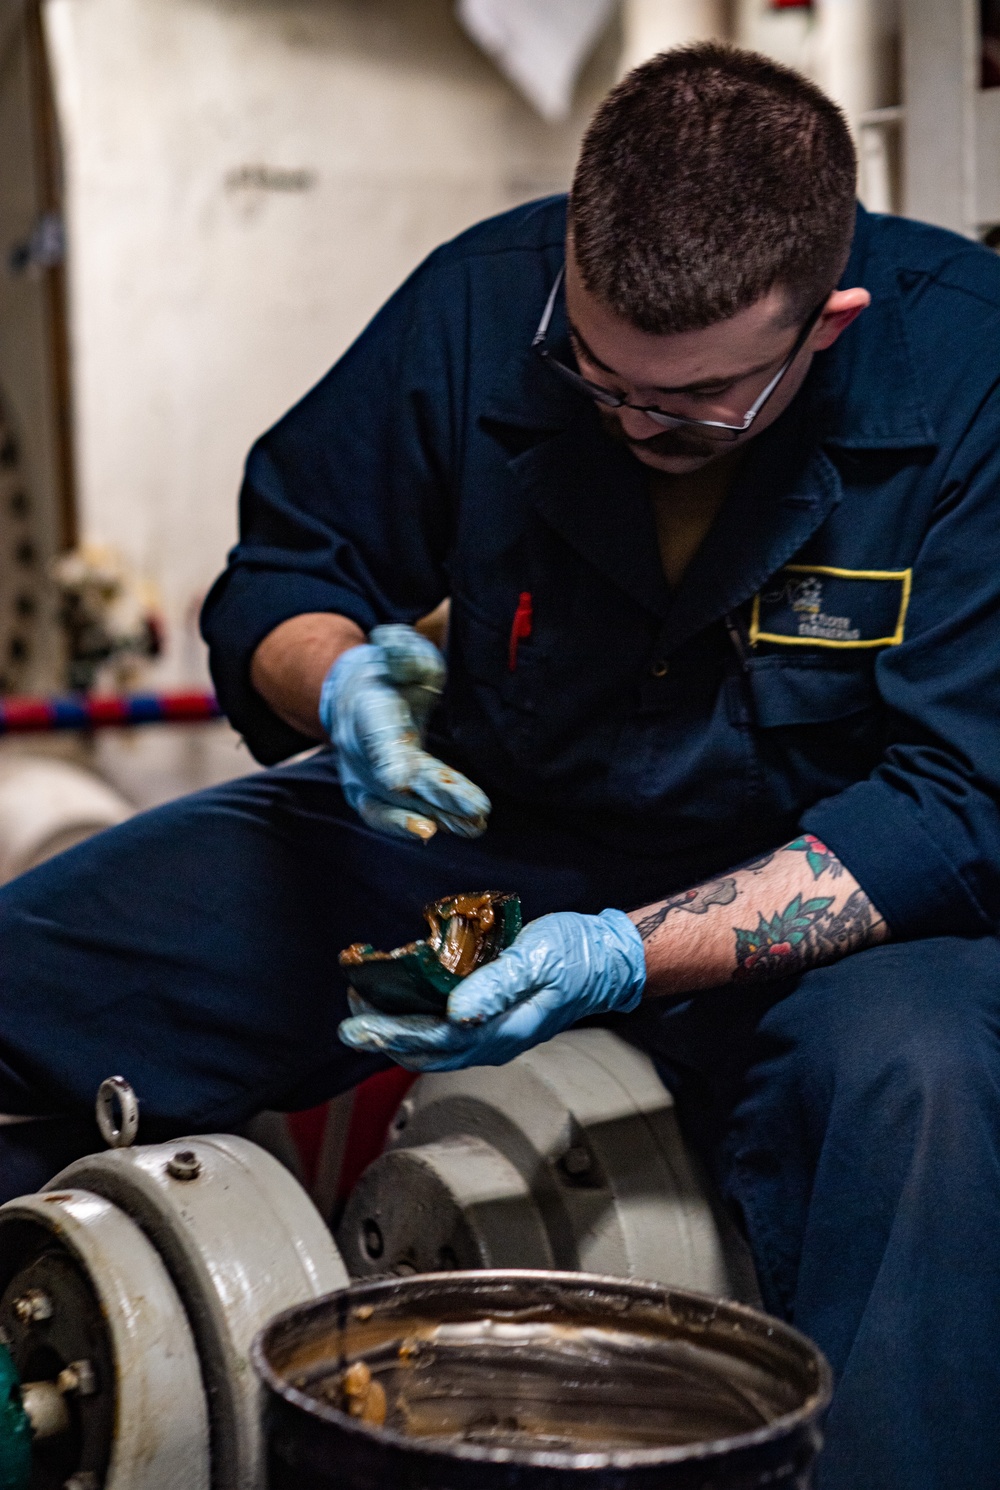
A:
[817, 605]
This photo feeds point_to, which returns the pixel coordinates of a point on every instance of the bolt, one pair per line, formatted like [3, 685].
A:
[84, 1479]
[184, 1165]
[33, 1307]
[403, 1115]
[77, 1377]
[371, 1238]
[45, 1409]
[576, 1160]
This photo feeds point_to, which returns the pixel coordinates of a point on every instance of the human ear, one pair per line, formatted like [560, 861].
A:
[842, 307]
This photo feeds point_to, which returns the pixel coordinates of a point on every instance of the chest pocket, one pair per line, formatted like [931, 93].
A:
[488, 701]
[789, 693]
[818, 606]
[497, 653]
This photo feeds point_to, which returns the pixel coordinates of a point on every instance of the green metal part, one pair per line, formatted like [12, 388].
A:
[417, 978]
[15, 1429]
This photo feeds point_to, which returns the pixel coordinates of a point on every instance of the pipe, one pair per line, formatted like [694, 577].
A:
[43, 714]
[47, 806]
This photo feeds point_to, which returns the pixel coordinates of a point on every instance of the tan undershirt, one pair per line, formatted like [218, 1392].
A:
[685, 507]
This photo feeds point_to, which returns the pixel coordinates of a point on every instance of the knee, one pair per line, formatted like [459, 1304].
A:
[908, 1027]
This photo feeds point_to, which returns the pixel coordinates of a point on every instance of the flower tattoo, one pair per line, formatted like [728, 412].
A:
[763, 951]
[819, 858]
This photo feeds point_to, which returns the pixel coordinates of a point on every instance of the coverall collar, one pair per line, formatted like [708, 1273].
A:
[862, 394]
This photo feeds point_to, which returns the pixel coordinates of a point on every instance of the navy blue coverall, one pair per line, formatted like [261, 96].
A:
[830, 662]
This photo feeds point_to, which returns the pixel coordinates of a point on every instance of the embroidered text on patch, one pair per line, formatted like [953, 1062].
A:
[806, 598]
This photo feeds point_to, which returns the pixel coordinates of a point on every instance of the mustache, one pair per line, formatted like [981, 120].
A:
[670, 442]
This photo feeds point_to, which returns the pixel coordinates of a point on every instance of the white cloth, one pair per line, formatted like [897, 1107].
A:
[540, 45]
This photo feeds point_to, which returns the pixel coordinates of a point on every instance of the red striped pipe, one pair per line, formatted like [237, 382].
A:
[40, 715]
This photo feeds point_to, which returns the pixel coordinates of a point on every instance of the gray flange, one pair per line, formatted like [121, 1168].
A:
[241, 1241]
[464, 1206]
[92, 1316]
[590, 1172]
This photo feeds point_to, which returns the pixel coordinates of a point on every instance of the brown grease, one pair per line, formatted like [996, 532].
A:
[359, 952]
[470, 918]
[359, 1394]
[460, 949]
[539, 1384]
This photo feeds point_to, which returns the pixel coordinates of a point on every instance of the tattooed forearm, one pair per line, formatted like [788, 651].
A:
[805, 934]
[696, 902]
[791, 909]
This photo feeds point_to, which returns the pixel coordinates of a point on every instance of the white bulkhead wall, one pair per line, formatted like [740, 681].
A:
[849, 47]
[651, 26]
[247, 181]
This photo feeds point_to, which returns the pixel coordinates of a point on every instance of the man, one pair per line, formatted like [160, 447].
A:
[707, 466]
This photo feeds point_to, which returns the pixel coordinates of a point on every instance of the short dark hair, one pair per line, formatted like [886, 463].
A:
[708, 176]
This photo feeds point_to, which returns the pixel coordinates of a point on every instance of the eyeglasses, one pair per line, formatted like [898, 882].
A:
[716, 428]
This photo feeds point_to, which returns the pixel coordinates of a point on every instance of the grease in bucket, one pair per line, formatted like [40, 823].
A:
[358, 1393]
[535, 1385]
[549, 1373]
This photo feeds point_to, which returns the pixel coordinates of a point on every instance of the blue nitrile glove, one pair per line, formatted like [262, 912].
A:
[374, 705]
[561, 968]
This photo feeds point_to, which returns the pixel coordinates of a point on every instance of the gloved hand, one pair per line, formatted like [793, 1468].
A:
[561, 968]
[374, 705]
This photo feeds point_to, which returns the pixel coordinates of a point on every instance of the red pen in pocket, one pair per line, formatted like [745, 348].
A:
[521, 628]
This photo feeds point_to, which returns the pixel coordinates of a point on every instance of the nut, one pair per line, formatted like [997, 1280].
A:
[33, 1307]
[184, 1165]
[45, 1409]
[84, 1479]
[77, 1377]
[576, 1160]
[371, 1238]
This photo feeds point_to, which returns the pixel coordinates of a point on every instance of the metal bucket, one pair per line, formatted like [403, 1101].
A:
[540, 1381]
